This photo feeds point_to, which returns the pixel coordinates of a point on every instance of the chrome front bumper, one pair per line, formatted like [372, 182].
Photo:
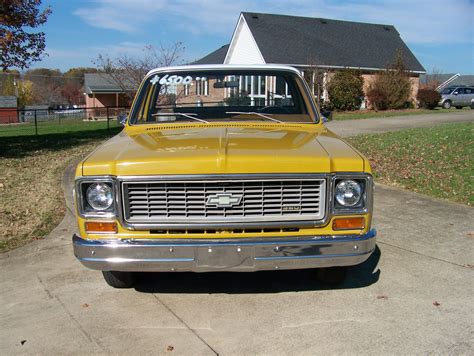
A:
[243, 255]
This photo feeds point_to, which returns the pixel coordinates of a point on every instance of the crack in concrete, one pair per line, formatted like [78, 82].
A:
[84, 332]
[424, 255]
[185, 324]
[44, 287]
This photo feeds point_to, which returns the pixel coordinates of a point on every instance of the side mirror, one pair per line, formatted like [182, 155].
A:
[327, 116]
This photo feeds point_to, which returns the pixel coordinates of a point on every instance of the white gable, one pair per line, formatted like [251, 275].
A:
[243, 49]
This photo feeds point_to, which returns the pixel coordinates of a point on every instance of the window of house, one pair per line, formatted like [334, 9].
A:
[261, 80]
[280, 86]
[202, 86]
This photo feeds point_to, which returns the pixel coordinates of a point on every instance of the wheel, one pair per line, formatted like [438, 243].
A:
[332, 275]
[447, 104]
[119, 279]
[458, 107]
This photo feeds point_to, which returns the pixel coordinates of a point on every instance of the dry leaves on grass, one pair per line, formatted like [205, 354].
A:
[31, 199]
[435, 161]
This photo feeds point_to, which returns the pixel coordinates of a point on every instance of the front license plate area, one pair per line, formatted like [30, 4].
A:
[225, 257]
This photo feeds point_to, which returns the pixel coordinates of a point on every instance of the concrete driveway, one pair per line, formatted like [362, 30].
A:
[414, 295]
[367, 126]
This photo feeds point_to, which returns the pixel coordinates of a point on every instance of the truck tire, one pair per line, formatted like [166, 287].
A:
[332, 275]
[119, 279]
[447, 104]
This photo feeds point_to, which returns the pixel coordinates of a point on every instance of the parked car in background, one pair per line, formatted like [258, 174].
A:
[223, 168]
[457, 96]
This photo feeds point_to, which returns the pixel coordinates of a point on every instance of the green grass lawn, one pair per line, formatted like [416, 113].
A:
[55, 127]
[370, 114]
[435, 161]
[31, 170]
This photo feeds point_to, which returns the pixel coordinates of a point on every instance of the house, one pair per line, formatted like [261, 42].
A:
[316, 46]
[102, 90]
[8, 110]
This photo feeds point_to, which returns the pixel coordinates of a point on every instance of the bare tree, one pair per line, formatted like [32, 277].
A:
[128, 71]
[314, 76]
[434, 80]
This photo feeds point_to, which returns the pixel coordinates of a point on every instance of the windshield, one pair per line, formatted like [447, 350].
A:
[224, 95]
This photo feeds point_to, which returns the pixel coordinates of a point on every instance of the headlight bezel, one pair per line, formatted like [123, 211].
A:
[85, 210]
[365, 203]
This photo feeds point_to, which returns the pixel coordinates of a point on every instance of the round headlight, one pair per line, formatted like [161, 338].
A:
[348, 192]
[100, 196]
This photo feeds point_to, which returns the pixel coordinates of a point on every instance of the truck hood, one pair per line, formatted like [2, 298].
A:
[223, 148]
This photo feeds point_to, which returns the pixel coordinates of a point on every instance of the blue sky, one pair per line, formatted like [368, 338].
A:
[440, 33]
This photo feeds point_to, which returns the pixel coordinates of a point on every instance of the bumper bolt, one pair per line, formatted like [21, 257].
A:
[171, 250]
[239, 249]
[92, 252]
[277, 249]
[209, 250]
[356, 247]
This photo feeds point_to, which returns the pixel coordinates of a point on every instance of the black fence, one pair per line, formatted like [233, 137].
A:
[38, 121]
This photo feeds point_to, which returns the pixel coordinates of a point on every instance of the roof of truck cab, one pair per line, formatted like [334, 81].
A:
[217, 67]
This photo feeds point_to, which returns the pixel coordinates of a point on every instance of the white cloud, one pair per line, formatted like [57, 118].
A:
[87, 55]
[420, 22]
[129, 48]
[120, 15]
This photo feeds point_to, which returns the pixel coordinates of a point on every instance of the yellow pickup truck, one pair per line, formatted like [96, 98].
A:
[223, 168]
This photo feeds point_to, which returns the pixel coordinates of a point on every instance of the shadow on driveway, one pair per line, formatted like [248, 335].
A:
[359, 276]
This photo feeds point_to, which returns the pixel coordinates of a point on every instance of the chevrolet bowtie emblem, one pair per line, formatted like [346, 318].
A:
[224, 200]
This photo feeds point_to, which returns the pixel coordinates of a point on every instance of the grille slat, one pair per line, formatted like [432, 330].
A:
[158, 202]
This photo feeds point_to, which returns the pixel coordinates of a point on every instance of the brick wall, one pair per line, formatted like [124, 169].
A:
[102, 101]
[192, 98]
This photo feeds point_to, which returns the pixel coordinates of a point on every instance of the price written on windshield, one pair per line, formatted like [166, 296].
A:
[174, 79]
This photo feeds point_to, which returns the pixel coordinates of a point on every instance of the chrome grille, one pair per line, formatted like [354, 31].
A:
[221, 201]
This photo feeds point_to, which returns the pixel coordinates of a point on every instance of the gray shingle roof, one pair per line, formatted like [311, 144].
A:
[216, 57]
[103, 83]
[307, 40]
[299, 40]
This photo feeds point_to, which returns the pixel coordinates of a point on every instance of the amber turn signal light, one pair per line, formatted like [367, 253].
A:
[101, 227]
[348, 223]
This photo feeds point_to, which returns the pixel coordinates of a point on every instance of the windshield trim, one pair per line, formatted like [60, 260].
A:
[216, 68]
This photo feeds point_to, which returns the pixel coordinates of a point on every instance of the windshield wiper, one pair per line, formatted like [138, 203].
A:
[188, 115]
[254, 113]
